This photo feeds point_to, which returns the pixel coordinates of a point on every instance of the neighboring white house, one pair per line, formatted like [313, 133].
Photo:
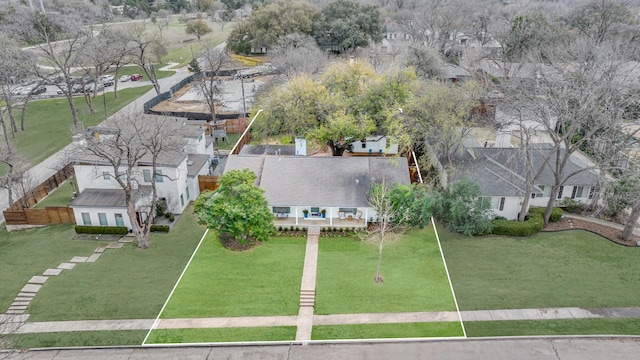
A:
[100, 200]
[336, 184]
[376, 144]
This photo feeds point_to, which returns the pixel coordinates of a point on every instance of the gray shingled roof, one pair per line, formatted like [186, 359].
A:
[500, 171]
[322, 181]
[197, 161]
[106, 198]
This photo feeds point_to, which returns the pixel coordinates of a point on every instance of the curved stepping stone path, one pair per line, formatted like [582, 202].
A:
[17, 310]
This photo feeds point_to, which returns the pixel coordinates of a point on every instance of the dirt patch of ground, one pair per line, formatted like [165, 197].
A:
[602, 230]
[230, 242]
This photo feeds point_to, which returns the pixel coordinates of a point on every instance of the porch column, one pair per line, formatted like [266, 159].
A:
[296, 215]
[366, 216]
[330, 216]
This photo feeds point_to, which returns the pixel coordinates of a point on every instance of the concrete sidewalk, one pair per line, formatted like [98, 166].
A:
[335, 319]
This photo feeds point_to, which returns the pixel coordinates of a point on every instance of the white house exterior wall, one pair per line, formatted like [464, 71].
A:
[174, 182]
[511, 207]
[332, 213]
[197, 145]
[95, 220]
[566, 192]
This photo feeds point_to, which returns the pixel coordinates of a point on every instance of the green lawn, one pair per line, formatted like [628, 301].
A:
[554, 327]
[58, 197]
[127, 283]
[414, 276]
[181, 45]
[276, 333]
[49, 123]
[78, 338]
[562, 269]
[262, 281]
[228, 145]
[382, 331]
[27, 253]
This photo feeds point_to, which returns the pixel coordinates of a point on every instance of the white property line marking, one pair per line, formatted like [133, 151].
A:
[155, 322]
[455, 300]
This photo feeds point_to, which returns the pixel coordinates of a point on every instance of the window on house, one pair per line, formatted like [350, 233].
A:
[560, 192]
[348, 210]
[122, 177]
[501, 206]
[102, 217]
[105, 175]
[533, 195]
[591, 192]
[282, 209]
[315, 211]
[119, 220]
[146, 174]
[579, 192]
[86, 219]
[546, 190]
[199, 137]
[187, 193]
[181, 200]
[159, 177]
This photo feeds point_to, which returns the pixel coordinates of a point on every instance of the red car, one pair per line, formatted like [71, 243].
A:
[136, 77]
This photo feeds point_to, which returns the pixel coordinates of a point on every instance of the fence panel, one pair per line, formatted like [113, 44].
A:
[208, 182]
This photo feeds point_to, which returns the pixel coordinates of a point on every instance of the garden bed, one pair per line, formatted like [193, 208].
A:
[608, 232]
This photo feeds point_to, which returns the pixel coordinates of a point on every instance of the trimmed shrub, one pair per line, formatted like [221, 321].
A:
[110, 230]
[556, 213]
[171, 217]
[571, 205]
[159, 228]
[518, 228]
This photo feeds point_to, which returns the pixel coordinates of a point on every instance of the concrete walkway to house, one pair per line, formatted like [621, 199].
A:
[304, 322]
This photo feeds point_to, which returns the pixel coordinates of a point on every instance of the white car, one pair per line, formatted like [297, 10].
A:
[106, 78]
[26, 91]
[125, 78]
[17, 90]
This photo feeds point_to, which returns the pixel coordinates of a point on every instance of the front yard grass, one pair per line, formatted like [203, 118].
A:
[49, 123]
[414, 276]
[262, 281]
[126, 283]
[27, 253]
[560, 269]
[275, 333]
[382, 331]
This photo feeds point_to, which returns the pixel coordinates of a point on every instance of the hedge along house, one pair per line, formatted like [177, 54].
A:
[323, 191]
[101, 200]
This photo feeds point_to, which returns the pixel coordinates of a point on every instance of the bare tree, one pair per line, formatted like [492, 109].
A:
[212, 59]
[14, 65]
[132, 139]
[296, 54]
[119, 50]
[60, 56]
[163, 20]
[142, 50]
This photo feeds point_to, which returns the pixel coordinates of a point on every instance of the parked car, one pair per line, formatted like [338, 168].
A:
[17, 90]
[90, 88]
[88, 79]
[136, 77]
[76, 89]
[39, 90]
[107, 82]
[62, 88]
[125, 78]
[104, 78]
[27, 82]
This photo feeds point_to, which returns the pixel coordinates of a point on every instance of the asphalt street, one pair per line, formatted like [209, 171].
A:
[566, 348]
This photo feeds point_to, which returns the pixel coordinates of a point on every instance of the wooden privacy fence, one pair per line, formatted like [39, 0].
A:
[46, 216]
[39, 192]
[208, 182]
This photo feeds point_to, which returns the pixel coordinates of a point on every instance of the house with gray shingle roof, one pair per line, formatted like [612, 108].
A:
[337, 185]
[499, 172]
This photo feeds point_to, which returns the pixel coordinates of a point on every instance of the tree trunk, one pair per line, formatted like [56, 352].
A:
[139, 232]
[525, 203]
[4, 131]
[87, 98]
[631, 223]
[550, 204]
[379, 278]
[74, 110]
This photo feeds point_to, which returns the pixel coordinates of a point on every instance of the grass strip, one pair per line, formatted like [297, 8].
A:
[77, 338]
[553, 327]
[177, 336]
[384, 331]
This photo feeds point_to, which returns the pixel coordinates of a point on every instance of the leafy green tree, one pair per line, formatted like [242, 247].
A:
[237, 208]
[345, 24]
[199, 28]
[528, 33]
[344, 104]
[411, 204]
[271, 22]
[462, 209]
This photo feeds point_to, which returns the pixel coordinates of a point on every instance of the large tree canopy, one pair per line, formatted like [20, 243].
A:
[345, 24]
[238, 208]
[348, 102]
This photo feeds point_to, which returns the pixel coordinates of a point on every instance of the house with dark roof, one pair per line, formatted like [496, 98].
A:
[499, 172]
[100, 200]
[332, 190]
